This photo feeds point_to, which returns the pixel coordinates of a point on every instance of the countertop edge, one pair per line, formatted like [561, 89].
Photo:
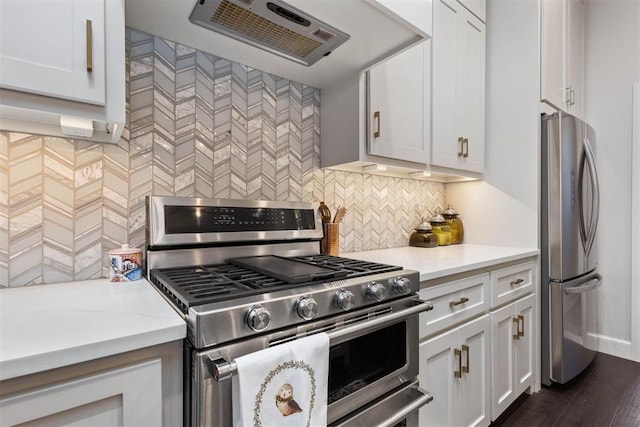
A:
[108, 319]
[477, 265]
[37, 363]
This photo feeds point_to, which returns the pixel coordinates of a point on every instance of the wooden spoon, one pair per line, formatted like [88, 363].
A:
[342, 211]
[325, 213]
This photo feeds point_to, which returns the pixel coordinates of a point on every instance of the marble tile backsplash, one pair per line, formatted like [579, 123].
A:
[197, 126]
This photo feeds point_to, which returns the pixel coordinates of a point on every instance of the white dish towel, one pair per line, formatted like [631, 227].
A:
[284, 385]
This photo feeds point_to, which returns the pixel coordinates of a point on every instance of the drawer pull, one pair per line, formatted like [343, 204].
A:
[516, 282]
[460, 301]
[457, 353]
[465, 348]
[516, 325]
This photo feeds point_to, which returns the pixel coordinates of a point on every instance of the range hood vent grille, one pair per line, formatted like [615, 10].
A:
[241, 20]
[271, 25]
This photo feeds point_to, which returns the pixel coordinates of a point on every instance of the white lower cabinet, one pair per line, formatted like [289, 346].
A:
[139, 388]
[454, 367]
[477, 345]
[129, 396]
[512, 339]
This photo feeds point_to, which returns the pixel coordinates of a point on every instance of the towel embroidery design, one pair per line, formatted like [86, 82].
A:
[284, 400]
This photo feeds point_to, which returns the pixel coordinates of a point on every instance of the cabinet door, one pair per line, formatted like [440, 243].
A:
[47, 48]
[512, 338]
[458, 87]
[445, 145]
[396, 98]
[129, 396]
[471, 92]
[524, 345]
[552, 54]
[573, 59]
[503, 328]
[475, 390]
[437, 366]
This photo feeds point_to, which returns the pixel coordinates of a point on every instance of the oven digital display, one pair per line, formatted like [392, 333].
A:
[213, 219]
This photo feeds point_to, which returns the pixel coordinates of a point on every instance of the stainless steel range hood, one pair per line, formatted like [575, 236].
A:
[291, 39]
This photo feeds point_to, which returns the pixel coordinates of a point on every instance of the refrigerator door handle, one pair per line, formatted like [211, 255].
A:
[591, 284]
[589, 234]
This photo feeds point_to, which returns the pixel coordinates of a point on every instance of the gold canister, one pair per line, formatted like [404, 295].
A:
[457, 230]
[423, 236]
[330, 244]
[441, 230]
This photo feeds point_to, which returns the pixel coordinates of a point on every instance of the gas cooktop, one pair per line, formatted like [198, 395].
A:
[201, 284]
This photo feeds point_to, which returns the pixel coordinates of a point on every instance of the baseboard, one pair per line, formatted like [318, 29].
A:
[609, 345]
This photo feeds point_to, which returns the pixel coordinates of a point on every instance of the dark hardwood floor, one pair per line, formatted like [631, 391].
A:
[607, 393]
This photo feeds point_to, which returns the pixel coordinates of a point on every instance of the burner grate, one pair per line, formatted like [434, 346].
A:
[202, 284]
[189, 286]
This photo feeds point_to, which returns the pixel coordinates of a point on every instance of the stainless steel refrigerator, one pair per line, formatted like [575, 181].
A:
[569, 246]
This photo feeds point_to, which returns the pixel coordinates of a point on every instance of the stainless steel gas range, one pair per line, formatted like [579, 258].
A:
[247, 275]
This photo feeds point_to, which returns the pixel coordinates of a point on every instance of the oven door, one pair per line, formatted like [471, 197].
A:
[373, 352]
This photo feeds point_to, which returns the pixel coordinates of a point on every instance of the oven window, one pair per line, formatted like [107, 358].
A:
[359, 362]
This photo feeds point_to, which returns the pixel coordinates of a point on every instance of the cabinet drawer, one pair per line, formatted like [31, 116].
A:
[510, 283]
[454, 302]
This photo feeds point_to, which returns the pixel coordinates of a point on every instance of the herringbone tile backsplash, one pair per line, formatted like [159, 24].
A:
[198, 125]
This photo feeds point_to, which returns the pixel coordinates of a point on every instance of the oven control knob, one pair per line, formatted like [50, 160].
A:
[258, 318]
[307, 308]
[401, 285]
[344, 299]
[376, 291]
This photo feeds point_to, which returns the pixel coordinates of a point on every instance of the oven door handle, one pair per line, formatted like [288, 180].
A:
[222, 369]
[412, 407]
[390, 410]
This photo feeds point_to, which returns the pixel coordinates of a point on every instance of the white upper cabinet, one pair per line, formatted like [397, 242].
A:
[562, 54]
[380, 119]
[458, 88]
[397, 117]
[54, 48]
[63, 62]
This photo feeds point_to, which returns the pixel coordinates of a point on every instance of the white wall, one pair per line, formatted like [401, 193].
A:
[503, 209]
[612, 65]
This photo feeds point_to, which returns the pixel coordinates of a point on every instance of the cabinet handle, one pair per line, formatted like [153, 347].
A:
[89, 46]
[516, 282]
[570, 96]
[465, 143]
[516, 325]
[457, 353]
[520, 322]
[465, 348]
[460, 301]
[461, 146]
[376, 117]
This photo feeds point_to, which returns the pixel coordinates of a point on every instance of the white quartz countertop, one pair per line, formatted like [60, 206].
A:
[49, 326]
[442, 261]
